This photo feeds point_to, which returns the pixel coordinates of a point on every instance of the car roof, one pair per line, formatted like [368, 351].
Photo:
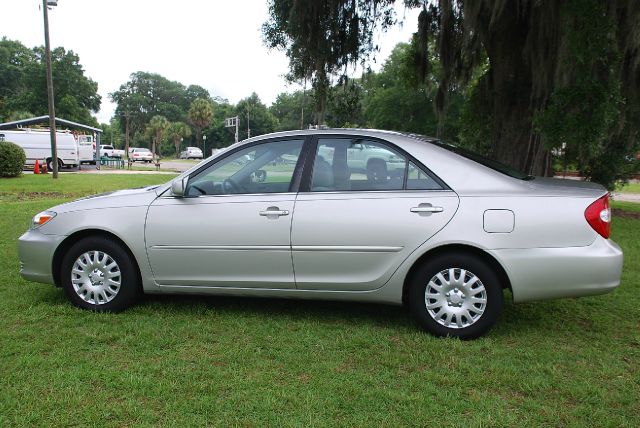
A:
[463, 175]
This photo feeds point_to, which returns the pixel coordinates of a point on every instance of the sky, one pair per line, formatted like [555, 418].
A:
[216, 44]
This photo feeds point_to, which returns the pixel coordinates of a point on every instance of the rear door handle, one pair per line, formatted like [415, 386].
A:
[427, 209]
[273, 211]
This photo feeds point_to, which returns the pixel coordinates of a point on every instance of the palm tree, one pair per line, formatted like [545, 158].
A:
[156, 129]
[178, 131]
[200, 115]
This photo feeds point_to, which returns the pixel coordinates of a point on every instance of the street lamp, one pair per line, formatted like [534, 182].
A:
[52, 112]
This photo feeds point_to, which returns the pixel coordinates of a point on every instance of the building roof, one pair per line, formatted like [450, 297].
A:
[45, 119]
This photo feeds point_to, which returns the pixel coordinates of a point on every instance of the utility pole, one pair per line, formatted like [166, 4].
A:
[126, 133]
[248, 120]
[304, 100]
[52, 112]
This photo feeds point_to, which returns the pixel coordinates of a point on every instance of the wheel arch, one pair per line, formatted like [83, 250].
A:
[70, 240]
[491, 261]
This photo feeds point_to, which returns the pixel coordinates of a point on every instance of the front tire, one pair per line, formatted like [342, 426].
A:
[98, 274]
[455, 295]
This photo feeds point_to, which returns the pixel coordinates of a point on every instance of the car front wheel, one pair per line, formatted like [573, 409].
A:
[98, 274]
[455, 295]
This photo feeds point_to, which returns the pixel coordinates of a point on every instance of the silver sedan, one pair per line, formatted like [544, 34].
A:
[355, 215]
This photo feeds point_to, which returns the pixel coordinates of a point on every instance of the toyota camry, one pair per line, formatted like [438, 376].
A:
[358, 215]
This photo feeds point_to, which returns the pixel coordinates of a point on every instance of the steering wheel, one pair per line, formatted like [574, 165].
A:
[230, 187]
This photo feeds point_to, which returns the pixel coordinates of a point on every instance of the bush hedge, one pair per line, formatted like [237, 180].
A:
[12, 159]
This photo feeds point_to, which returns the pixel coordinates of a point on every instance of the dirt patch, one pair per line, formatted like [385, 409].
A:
[32, 196]
[617, 212]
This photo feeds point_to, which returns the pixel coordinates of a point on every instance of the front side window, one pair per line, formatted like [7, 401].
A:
[263, 168]
[358, 164]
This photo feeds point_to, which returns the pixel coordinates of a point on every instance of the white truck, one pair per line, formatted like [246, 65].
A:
[110, 152]
[37, 146]
[86, 146]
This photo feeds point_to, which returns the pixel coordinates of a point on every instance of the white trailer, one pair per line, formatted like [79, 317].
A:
[37, 145]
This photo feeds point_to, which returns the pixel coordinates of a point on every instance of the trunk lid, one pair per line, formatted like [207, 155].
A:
[564, 187]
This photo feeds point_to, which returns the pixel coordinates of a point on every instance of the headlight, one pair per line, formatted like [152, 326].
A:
[42, 218]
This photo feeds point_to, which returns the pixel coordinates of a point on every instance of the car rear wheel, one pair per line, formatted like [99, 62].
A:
[455, 295]
[98, 274]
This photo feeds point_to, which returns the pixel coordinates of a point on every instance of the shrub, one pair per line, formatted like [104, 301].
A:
[12, 159]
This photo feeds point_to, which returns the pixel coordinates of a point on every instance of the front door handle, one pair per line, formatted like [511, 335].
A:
[273, 212]
[426, 209]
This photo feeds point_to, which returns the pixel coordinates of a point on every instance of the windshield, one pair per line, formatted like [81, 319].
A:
[483, 160]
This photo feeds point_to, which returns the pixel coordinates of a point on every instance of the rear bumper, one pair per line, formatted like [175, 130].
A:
[36, 251]
[550, 273]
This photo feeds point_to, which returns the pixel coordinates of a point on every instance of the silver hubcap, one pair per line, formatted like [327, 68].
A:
[96, 277]
[455, 298]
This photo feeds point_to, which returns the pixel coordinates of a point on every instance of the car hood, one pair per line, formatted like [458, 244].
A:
[121, 198]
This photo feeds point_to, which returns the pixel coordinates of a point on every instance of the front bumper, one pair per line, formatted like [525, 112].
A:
[35, 251]
[550, 273]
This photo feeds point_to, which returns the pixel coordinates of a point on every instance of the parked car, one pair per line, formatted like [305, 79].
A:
[444, 237]
[110, 151]
[140, 154]
[37, 146]
[191, 153]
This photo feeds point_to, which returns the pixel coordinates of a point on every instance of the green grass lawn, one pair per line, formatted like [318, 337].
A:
[631, 188]
[252, 362]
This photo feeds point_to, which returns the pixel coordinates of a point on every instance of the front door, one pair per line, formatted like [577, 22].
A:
[232, 228]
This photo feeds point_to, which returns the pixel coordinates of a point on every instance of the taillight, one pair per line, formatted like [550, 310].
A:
[598, 215]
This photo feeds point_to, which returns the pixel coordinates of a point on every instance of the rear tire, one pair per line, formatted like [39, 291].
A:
[50, 164]
[456, 295]
[99, 275]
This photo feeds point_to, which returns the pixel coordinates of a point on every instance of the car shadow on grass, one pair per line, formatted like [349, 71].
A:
[556, 317]
[285, 309]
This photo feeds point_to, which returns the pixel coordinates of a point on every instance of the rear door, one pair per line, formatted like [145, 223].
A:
[352, 227]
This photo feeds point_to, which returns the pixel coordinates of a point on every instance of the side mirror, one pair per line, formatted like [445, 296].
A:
[178, 187]
[259, 176]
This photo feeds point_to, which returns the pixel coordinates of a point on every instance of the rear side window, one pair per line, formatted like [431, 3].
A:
[417, 179]
[356, 164]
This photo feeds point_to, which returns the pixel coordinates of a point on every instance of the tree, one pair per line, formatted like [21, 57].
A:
[260, 120]
[323, 37]
[177, 131]
[558, 72]
[112, 135]
[23, 83]
[194, 92]
[397, 99]
[146, 95]
[344, 104]
[555, 72]
[292, 111]
[200, 116]
[217, 134]
[156, 129]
